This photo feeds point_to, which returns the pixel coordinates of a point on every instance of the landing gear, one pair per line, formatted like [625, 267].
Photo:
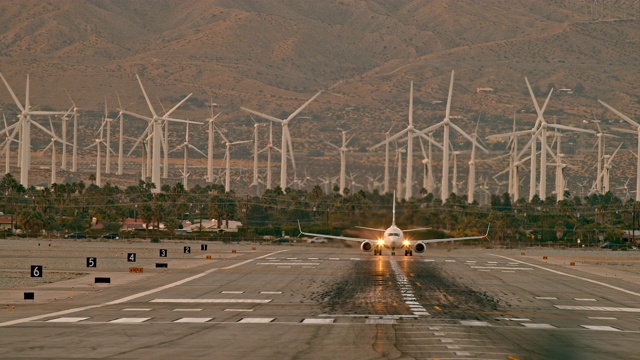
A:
[408, 252]
[377, 251]
[393, 253]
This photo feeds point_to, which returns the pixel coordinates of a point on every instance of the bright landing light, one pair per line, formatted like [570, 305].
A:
[405, 243]
[380, 241]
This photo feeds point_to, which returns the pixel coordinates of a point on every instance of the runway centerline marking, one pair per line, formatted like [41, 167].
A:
[132, 297]
[597, 308]
[571, 276]
[213, 301]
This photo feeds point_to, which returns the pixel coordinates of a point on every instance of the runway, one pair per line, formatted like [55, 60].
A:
[319, 302]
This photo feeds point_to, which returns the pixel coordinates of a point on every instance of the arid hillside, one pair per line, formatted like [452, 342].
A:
[273, 55]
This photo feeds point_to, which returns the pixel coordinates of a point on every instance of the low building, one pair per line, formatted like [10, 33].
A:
[6, 222]
[631, 235]
[212, 225]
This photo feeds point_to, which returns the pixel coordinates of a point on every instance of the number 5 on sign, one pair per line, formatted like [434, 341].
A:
[131, 257]
[36, 270]
[91, 262]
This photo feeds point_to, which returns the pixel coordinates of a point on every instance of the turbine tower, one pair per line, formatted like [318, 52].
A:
[633, 123]
[185, 148]
[411, 132]
[343, 159]
[155, 128]
[227, 156]
[121, 139]
[446, 124]
[286, 138]
[25, 129]
[211, 126]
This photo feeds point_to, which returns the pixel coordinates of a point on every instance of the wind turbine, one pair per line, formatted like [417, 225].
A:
[410, 131]
[185, 147]
[155, 128]
[211, 125]
[386, 160]
[52, 144]
[7, 145]
[268, 149]
[633, 123]
[97, 143]
[255, 154]
[343, 159]
[121, 138]
[227, 156]
[446, 124]
[24, 125]
[472, 167]
[74, 151]
[65, 120]
[286, 137]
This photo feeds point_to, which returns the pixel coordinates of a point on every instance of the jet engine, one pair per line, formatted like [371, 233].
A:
[419, 247]
[366, 246]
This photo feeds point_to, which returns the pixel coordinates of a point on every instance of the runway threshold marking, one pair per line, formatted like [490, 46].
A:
[213, 301]
[67, 319]
[132, 297]
[600, 328]
[572, 276]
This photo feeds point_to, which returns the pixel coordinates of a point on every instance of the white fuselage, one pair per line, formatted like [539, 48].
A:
[393, 238]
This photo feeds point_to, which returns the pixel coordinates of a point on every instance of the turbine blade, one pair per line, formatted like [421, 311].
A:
[177, 106]
[623, 116]
[13, 95]
[153, 112]
[448, 111]
[264, 116]
[304, 106]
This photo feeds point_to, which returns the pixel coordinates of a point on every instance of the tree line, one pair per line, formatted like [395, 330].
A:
[71, 207]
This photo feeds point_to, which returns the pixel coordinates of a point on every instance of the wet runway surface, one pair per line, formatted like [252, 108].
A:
[300, 302]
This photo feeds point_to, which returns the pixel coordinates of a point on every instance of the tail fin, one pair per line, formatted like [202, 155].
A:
[393, 219]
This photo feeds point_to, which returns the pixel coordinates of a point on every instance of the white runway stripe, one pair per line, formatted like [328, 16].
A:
[136, 309]
[600, 328]
[187, 309]
[597, 308]
[290, 264]
[67, 319]
[538, 326]
[192, 320]
[256, 320]
[213, 301]
[318, 321]
[271, 292]
[128, 320]
[499, 268]
[239, 310]
[231, 292]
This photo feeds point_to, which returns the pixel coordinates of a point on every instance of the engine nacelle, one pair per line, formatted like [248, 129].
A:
[366, 246]
[419, 247]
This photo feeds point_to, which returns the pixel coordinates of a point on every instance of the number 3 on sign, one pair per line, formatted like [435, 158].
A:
[36, 270]
[131, 257]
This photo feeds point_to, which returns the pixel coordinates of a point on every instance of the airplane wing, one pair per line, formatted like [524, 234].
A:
[368, 228]
[347, 238]
[453, 239]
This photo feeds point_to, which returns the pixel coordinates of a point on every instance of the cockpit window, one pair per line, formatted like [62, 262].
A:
[394, 234]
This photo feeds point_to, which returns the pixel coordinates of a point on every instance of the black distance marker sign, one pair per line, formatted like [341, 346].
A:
[92, 262]
[36, 271]
[131, 257]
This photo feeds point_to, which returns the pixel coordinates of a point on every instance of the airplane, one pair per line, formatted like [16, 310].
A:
[393, 238]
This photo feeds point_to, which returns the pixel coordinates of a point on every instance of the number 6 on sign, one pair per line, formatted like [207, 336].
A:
[36, 270]
[131, 257]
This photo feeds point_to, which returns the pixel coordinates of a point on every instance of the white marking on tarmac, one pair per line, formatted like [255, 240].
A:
[136, 309]
[538, 326]
[601, 318]
[128, 320]
[239, 310]
[290, 264]
[514, 319]
[354, 259]
[271, 292]
[256, 320]
[451, 261]
[231, 292]
[597, 308]
[546, 298]
[284, 267]
[135, 296]
[474, 323]
[428, 260]
[380, 321]
[318, 321]
[572, 276]
[67, 319]
[213, 301]
[192, 320]
[187, 309]
[582, 299]
[499, 268]
[600, 328]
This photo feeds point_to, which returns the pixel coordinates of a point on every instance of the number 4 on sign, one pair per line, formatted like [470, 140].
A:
[131, 257]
